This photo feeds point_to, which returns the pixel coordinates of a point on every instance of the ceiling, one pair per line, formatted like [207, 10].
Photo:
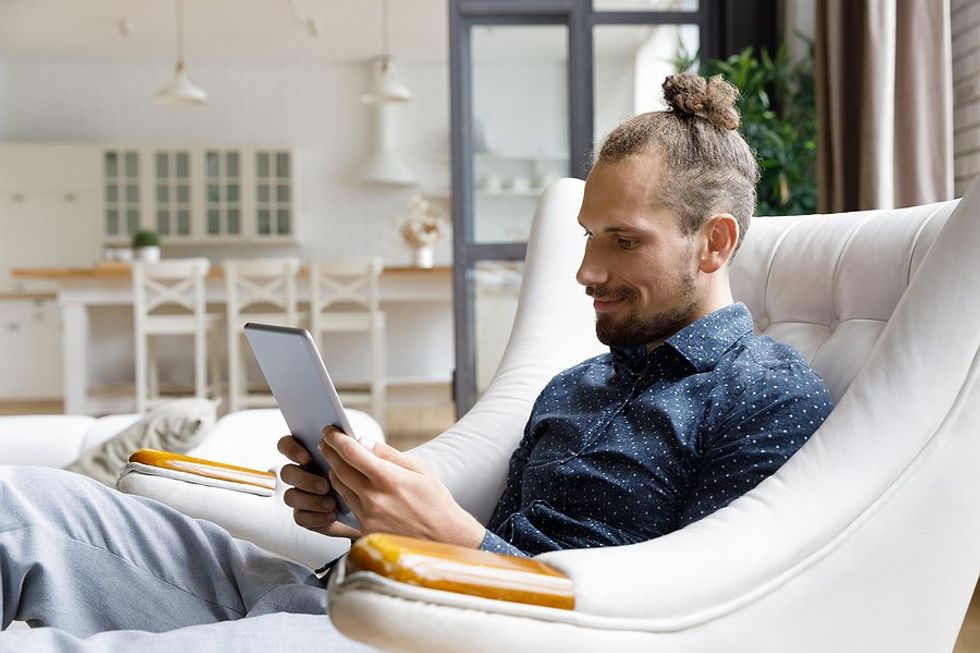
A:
[273, 31]
[221, 30]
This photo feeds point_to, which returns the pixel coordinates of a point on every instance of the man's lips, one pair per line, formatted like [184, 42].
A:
[606, 305]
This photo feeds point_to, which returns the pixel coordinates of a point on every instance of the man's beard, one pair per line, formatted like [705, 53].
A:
[639, 330]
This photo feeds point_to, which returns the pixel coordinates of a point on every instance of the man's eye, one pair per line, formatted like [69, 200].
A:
[627, 243]
[586, 234]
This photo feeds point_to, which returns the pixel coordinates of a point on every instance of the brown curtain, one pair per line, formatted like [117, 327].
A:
[884, 96]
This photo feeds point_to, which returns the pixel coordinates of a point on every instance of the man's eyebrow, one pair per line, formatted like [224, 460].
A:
[619, 228]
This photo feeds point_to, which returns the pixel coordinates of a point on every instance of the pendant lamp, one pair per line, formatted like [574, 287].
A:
[386, 88]
[182, 90]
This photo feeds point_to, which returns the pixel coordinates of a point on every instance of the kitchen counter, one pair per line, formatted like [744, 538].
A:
[418, 302]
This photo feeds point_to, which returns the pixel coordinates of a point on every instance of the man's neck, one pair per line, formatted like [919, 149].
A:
[712, 302]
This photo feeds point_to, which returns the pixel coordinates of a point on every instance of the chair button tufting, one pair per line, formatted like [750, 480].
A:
[762, 324]
[833, 325]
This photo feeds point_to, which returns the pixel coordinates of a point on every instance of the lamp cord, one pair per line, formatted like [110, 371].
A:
[180, 32]
[384, 29]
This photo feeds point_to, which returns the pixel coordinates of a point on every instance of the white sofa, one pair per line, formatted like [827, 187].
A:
[246, 438]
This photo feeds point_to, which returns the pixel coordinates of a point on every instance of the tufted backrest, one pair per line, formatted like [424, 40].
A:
[827, 284]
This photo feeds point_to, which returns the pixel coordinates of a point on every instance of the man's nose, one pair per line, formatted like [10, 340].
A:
[590, 272]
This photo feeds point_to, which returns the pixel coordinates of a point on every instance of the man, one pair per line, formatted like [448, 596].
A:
[688, 411]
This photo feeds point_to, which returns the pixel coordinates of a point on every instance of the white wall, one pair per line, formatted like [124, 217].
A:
[3, 90]
[314, 107]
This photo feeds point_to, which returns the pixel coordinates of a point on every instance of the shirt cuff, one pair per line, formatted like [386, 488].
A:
[496, 544]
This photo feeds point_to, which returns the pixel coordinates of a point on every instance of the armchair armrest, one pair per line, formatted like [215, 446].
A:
[458, 569]
[246, 502]
[201, 471]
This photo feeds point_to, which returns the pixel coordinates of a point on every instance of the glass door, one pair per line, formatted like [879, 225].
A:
[514, 81]
[523, 76]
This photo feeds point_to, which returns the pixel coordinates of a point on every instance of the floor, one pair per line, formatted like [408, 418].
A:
[408, 427]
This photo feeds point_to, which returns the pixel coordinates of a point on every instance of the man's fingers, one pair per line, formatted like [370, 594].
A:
[291, 448]
[304, 480]
[313, 520]
[310, 502]
[348, 496]
[348, 474]
[351, 452]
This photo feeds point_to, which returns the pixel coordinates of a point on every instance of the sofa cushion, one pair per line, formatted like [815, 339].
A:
[48, 440]
[176, 426]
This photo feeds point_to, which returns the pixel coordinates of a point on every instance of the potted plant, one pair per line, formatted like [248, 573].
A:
[146, 245]
[421, 229]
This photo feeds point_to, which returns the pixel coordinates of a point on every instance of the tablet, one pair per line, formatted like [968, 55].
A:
[299, 381]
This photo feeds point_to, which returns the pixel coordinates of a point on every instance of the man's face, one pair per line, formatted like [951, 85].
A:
[638, 266]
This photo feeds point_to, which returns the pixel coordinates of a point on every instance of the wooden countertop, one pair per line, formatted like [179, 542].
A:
[26, 295]
[116, 270]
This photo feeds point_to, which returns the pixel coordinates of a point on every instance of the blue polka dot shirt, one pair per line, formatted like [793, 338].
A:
[631, 445]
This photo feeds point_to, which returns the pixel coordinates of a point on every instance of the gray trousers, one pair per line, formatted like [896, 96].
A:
[92, 569]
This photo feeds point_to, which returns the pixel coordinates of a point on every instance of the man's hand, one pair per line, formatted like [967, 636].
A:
[312, 506]
[394, 493]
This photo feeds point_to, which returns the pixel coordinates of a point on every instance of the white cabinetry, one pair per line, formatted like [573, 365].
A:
[199, 195]
[49, 217]
[30, 348]
[49, 206]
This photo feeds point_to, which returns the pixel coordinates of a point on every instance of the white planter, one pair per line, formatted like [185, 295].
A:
[423, 257]
[148, 254]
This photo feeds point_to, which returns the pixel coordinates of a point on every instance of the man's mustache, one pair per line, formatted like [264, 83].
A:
[602, 292]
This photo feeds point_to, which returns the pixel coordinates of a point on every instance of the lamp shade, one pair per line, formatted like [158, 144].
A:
[386, 168]
[386, 88]
[182, 90]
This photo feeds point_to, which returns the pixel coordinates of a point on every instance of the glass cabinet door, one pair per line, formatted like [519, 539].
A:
[121, 192]
[273, 193]
[172, 182]
[223, 193]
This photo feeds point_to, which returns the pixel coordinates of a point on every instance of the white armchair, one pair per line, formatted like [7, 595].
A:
[865, 540]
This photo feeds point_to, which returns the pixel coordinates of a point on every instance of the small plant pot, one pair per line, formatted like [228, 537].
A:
[148, 254]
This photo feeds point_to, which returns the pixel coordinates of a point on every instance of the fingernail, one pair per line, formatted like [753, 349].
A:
[304, 457]
[321, 486]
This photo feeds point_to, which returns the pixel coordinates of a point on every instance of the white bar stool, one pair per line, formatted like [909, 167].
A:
[258, 290]
[344, 298]
[169, 299]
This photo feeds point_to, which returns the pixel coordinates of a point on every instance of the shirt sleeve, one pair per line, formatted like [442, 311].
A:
[768, 423]
[496, 544]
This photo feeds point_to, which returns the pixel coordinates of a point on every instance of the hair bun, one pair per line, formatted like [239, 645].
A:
[711, 99]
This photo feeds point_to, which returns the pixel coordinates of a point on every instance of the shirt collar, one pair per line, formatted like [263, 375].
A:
[701, 343]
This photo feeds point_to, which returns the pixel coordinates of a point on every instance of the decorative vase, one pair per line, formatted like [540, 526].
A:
[423, 256]
[148, 254]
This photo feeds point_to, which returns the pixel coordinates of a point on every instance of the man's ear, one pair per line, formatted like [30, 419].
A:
[720, 235]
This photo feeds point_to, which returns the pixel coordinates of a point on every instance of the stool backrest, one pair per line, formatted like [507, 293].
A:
[261, 285]
[174, 284]
[347, 284]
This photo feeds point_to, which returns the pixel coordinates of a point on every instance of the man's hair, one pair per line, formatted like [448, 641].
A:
[710, 169]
